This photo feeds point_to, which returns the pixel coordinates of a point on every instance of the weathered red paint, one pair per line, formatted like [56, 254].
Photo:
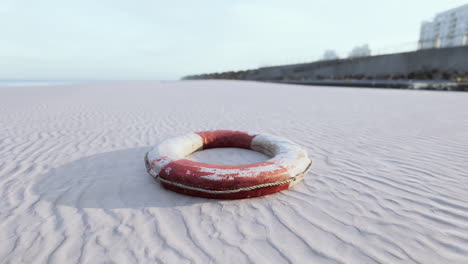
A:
[189, 172]
[158, 160]
[226, 139]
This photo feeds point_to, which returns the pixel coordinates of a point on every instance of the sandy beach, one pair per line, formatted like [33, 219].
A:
[389, 182]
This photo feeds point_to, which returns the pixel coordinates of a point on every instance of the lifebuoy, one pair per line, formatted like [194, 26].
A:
[166, 162]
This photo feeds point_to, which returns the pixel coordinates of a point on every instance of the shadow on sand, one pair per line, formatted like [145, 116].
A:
[110, 180]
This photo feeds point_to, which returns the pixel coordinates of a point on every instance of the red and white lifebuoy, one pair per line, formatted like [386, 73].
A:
[166, 162]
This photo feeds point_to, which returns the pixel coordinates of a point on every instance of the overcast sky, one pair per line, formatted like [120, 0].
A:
[149, 39]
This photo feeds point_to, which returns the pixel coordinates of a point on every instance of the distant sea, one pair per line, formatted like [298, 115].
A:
[15, 83]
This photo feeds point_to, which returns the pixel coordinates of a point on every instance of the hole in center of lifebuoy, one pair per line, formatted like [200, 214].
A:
[228, 156]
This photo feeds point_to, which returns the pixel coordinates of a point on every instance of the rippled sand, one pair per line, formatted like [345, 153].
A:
[389, 182]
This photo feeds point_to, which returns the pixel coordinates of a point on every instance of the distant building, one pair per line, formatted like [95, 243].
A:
[360, 51]
[330, 55]
[448, 29]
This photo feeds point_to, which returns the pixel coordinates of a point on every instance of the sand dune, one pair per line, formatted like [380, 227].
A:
[389, 182]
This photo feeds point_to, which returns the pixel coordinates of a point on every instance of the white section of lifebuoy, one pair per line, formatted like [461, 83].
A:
[172, 149]
[283, 152]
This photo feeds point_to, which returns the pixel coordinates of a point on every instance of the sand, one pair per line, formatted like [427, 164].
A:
[389, 182]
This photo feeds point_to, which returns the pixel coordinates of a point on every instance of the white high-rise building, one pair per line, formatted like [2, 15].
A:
[448, 29]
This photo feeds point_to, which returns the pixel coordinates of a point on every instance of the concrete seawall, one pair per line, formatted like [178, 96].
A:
[388, 84]
[449, 64]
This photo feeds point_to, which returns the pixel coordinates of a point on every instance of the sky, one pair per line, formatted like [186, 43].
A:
[166, 40]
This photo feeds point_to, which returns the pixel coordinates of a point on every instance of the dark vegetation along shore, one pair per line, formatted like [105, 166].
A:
[431, 69]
